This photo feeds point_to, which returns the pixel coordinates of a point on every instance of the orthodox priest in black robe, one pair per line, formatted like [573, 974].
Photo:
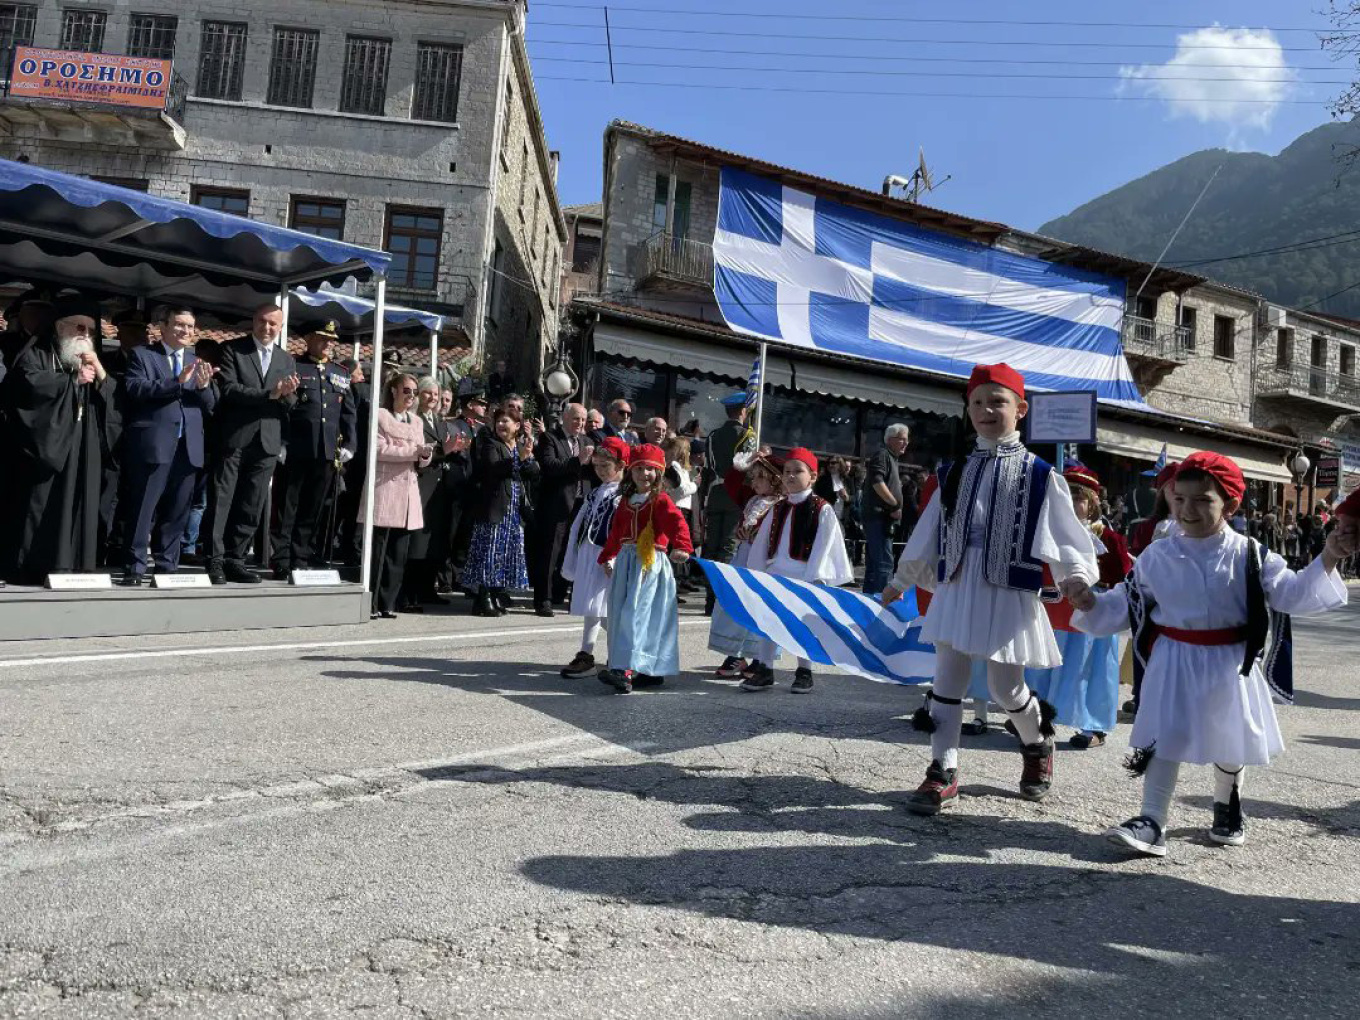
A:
[58, 397]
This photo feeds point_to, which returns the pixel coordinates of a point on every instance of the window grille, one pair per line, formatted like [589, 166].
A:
[319, 216]
[83, 30]
[585, 252]
[414, 237]
[365, 84]
[227, 200]
[292, 67]
[439, 72]
[152, 35]
[17, 25]
[131, 183]
[221, 60]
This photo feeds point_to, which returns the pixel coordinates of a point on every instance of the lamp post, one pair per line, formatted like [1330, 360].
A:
[1298, 467]
[559, 383]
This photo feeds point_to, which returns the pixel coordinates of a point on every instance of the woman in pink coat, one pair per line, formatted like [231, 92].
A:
[396, 496]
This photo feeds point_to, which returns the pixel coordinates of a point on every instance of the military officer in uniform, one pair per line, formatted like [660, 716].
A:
[322, 434]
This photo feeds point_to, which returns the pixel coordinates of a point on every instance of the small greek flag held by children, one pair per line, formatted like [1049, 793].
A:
[830, 626]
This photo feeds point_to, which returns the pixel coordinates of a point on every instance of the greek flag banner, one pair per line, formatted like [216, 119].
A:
[831, 626]
[796, 269]
[753, 384]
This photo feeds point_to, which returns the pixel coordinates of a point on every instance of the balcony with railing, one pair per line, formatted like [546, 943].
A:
[94, 98]
[1310, 384]
[666, 258]
[1156, 341]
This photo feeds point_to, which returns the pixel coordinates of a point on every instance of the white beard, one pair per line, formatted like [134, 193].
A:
[69, 350]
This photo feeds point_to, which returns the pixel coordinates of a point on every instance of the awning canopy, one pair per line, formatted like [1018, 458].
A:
[1144, 442]
[354, 314]
[69, 230]
[801, 374]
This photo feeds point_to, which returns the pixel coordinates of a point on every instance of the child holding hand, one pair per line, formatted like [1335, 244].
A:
[647, 534]
[1207, 594]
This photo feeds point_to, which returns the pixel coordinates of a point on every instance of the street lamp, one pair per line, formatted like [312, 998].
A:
[1298, 467]
[559, 383]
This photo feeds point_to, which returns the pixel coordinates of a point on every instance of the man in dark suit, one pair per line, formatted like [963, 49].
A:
[618, 422]
[257, 387]
[167, 394]
[563, 455]
[350, 537]
[321, 436]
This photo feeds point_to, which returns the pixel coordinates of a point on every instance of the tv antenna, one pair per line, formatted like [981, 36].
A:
[921, 181]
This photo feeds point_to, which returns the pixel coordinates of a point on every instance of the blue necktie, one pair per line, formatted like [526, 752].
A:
[177, 366]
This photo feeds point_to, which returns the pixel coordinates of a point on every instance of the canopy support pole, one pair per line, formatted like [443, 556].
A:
[371, 469]
[434, 354]
[760, 395]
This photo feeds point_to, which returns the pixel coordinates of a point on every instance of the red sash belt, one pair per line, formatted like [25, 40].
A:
[1222, 636]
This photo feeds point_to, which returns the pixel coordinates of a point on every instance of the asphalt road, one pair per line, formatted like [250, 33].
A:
[421, 819]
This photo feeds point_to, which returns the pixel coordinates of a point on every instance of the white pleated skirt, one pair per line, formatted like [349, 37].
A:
[975, 617]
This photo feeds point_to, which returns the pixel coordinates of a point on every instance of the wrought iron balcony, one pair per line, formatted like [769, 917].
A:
[665, 256]
[1147, 338]
[1307, 383]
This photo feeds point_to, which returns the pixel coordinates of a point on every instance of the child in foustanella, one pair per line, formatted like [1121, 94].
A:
[995, 521]
[1211, 601]
[799, 538]
[648, 533]
[581, 564]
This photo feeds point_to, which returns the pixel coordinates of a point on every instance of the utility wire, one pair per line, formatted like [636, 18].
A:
[910, 58]
[923, 95]
[937, 42]
[1329, 241]
[909, 19]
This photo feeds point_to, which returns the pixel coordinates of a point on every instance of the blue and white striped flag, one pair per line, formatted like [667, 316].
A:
[831, 626]
[805, 271]
[753, 384]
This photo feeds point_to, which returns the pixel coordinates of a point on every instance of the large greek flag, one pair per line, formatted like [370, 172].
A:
[809, 272]
[832, 626]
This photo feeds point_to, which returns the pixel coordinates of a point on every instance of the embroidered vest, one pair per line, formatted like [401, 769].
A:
[599, 513]
[803, 530]
[1019, 486]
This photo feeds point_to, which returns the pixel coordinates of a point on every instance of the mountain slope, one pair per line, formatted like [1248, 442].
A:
[1257, 202]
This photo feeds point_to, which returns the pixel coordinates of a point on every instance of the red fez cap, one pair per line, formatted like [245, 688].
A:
[1166, 475]
[1221, 469]
[803, 455]
[1350, 506]
[1080, 474]
[647, 455]
[616, 448]
[1002, 375]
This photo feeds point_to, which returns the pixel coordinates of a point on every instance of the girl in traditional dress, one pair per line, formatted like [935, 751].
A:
[581, 564]
[495, 563]
[646, 535]
[756, 491]
[1084, 690]
[992, 525]
[1207, 594]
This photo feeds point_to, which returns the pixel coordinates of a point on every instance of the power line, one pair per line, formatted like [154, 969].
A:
[920, 95]
[896, 57]
[913, 20]
[937, 42]
[930, 74]
[1329, 241]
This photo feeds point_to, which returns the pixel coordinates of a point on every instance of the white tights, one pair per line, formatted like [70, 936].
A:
[768, 653]
[1159, 785]
[594, 626]
[1005, 682]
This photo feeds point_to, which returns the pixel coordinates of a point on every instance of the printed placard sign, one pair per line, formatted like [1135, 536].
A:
[76, 77]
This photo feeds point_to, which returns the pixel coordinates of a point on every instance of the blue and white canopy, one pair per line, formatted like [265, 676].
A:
[793, 268]
[72, 231]
[354, 314]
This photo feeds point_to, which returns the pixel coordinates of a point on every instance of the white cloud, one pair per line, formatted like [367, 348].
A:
[1251, 63]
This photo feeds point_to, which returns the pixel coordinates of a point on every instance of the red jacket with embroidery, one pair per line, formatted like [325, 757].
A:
[668, 524]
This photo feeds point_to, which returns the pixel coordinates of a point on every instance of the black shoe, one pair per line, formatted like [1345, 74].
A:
[279, 573]
[388, 615]
[580, 667]
[1228, 829]
[501, 600]
[130, 580]
[216, 576]
[760, 678]
[802, 681]
[485, 607]
[239, 573]
[544, 609]
[1036, 774]
[939, 790]
[619, 679]
[414, 607]
[647, 680]
[436, 600]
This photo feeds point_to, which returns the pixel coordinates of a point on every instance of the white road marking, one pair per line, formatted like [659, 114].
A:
[298, 646]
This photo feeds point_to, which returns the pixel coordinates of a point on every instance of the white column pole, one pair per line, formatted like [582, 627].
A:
[760, 396]
[371, 469]
[434, 354]
[284, 302]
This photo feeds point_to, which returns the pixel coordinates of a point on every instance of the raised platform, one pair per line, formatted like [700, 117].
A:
[27, 614]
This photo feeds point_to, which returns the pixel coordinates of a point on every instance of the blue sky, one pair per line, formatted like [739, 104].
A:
[1013, 158]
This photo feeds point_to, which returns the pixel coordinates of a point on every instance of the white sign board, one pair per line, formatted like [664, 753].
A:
[315, 578]
[79, 582]
[1062, 417]
[181, 581]
[1350, 456]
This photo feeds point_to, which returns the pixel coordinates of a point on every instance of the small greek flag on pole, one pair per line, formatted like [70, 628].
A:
[753, 384]
[831, 626]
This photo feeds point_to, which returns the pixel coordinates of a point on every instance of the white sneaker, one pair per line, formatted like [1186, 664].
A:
[1141, 833]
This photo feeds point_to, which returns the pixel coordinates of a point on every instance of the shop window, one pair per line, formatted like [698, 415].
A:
[643, 386]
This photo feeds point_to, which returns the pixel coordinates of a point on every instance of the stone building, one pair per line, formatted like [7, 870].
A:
[581, 259]
[652, 330]
[408, 125]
